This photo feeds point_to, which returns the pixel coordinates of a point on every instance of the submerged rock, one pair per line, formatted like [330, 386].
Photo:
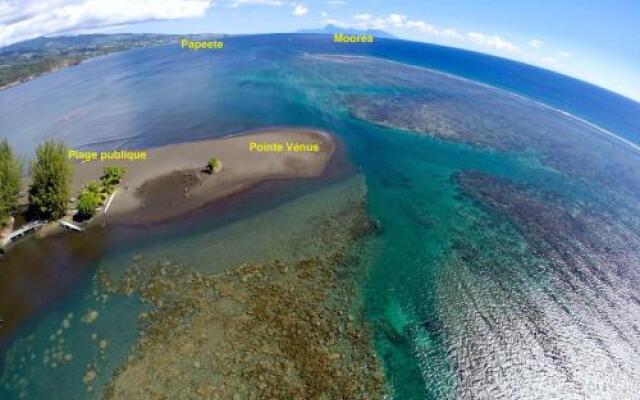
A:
[90, 317]
[89, 376]
[280, 330]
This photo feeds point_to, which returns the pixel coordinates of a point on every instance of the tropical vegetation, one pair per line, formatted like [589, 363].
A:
[87, 203]
[94, 194]
[51, 180]
[213, 166]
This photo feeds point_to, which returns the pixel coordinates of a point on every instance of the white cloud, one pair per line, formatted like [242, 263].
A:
[401, 21]
[336, 2]
[300, 10]
[537, 43]
[324, 14]
[421, 26]
[396, 20]
[490, 41]
[450, 33]
[239, 3]
[564, 54]
[27, 19]
[331, 21]
[362, 17]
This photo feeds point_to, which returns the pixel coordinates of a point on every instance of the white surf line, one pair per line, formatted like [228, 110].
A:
[576, 118]
[486, 85]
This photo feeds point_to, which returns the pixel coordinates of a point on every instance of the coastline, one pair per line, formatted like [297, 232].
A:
[56, 61]
[25, 79]
[72, 252]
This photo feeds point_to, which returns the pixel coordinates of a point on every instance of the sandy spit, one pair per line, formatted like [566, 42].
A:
[171, 180]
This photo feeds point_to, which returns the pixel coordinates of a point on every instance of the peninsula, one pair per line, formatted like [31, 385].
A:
[173, 179]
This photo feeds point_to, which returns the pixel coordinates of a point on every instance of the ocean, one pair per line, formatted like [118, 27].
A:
[509, 230]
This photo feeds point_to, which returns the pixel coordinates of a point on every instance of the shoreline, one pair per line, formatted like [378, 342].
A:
[171, 183]
[38, 75]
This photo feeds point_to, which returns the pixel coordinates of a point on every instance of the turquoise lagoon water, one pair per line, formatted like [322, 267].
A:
[509, 321]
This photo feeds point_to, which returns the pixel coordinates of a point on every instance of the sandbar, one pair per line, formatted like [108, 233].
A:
[172, 180]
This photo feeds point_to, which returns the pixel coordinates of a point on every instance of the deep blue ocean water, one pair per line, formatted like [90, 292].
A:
[509, 322]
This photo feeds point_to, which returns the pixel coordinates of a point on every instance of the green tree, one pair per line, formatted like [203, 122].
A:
[88, 201]
[214, 165]
[112, 175]
[10, 179]
[94, 187]
[51, 178]
[98, 189]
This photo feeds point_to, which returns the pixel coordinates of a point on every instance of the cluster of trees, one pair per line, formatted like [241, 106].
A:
[51, 177]
[49, 193]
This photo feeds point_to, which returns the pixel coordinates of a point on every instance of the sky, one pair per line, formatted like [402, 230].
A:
[594, 40]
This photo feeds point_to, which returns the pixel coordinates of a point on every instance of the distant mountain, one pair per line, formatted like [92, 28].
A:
[331, 29]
